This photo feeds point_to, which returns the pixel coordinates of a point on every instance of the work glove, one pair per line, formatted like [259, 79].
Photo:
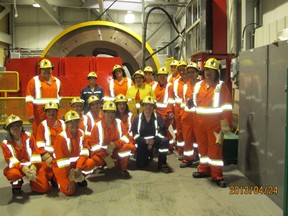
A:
[109, 162]
[47, 158]
[30, 174]
[190, 103]
[110, 148]
[76, 175]
[33, 169]
[219, 138]
[224, 125]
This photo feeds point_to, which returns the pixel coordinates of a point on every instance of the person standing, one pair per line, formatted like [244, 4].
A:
[178, 86]
[110, 141]
[174, 72]
[119, 84]
[149, 132]
[148, 73]
[91, 89]
[213, 104]
[40, 90]
[190, 151]
[23, 158]
[71, 156]
[137, 92]
[165, 102]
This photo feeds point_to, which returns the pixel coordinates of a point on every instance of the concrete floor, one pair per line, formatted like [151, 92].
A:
[148, 192]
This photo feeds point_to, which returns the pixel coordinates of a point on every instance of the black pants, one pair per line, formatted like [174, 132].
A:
[143, 154]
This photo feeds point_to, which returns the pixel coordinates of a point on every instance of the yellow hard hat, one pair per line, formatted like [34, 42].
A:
[162, 70]
[148, 100]
[76, 100]
[117, 67]
[174, 63]
[120, 98]
[92, 99]
[139, 72]
[92, 74]
[71, 115]
[109, 106]
[193, 65]
[212, 63]
[51, 105]
[45, 63]
[12, 119]
[182, 63]
[148, 69]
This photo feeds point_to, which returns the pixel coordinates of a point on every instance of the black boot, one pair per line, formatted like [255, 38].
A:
[220, 182]
[200, 175]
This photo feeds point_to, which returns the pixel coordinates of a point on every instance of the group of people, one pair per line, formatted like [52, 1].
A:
[103, 129]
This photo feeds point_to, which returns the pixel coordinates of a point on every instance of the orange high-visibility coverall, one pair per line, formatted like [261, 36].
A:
[38, 93]
[178, 108]
[144, 90]
[127, 120]
[153, 84]
[46, 134]
[209, 112]
[94, 118]
[116, 87]
[188, 125]
[171, 78]
[102, 135]
[26, 153]
[164, 105]
[85, 124]
[70, 153]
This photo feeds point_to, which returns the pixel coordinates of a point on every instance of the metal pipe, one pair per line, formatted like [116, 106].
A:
[145, 28]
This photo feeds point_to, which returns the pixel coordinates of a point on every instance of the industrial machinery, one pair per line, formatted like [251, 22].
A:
[89, 46]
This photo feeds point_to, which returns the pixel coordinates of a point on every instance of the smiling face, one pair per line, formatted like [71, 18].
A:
[148, 108]
[109, 116]
[92, 81]
[121, 107]
[51, 114]
[192, 74]
[16, 129]
[95, 107]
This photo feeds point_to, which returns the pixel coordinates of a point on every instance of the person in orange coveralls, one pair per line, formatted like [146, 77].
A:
[77, 105]
[110, 141]
[72, 157]
[148, 73]
[212, 100]
[190, 153]
[95, 112]
[46, 134]
[119, 84]
[40, 90]
[165, 102]
[21, 154]
[179, 105]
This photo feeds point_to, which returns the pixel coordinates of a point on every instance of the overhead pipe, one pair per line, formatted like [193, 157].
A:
[144, 33]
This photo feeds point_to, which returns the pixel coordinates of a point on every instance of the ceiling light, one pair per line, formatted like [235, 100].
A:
[36, 5]
[129, 17]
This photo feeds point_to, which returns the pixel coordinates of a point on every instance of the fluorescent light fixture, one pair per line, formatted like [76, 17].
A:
[129, 17]
[36, 5]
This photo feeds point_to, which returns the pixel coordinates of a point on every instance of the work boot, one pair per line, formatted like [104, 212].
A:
[220, 182]
[82, 183]
[200, 175]
[125, 174]
[186, 163]
[164, 168]
[16, 191]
